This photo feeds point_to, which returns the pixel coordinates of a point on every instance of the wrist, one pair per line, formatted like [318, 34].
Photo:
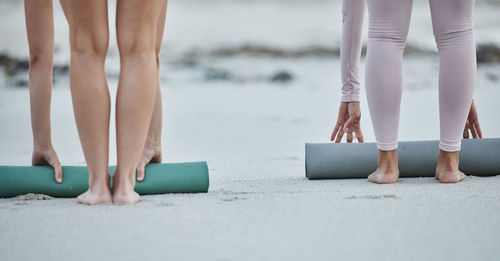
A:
[42, 145]
[153, 142]
[350, 97]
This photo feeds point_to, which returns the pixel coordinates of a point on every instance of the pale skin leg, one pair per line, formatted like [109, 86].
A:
[136, 24]
[88, 23]
[152, 149]
[40, 29]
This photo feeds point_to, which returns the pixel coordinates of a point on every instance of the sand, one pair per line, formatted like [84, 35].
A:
[273, 216]
[260, 206]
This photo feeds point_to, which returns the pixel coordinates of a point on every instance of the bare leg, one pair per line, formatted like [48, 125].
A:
[40, 29]
[387, 171]
[88, 23]
[152, 149]
[136, 32]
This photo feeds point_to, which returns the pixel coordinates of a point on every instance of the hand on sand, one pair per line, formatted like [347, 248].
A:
[48, 157]
[472, 124]
[348, 121]
[149, 155]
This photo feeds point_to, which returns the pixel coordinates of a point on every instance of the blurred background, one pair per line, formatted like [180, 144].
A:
[244, 85]
[246, 79]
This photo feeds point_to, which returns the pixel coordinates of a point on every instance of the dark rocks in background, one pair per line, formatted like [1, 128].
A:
[310, 51]
[411, 50]
[215, 74]
[16, 69]
[492, 77]
[61, 69]
[21, 83]
[218, 74]
[281, 77]
[13, 66]
[260, 50]
[188, 62]
[488, 53]
[189, 59]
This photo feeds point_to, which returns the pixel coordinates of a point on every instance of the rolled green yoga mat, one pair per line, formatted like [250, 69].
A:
[478, 157]
[191, 177]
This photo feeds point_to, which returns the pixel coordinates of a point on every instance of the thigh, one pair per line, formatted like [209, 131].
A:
[40, 26]
[88, 24]
[160, 27]
[136, 24]
[389, 19]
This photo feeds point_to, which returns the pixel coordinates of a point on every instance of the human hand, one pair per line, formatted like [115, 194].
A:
[149, 155]
[348, 121]
[472, 124]
[48, 157]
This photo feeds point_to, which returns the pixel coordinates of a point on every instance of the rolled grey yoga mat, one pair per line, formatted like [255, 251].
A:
[478, 157]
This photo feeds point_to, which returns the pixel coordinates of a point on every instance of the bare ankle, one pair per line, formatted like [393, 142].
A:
[448, 160]
[387, 159]
[99, 183]
[123, 179]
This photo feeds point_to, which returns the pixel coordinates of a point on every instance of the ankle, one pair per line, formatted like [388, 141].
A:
[124, 179]
[448, 160]
[99, 183]
[387, 159]
[41, 148]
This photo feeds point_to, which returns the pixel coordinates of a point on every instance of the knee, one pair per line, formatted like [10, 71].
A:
[387, 36]
[41, 57]
[386, 32]
[137, 48]
[157, 55]
[89, 47]
[454, 35]
[157, 59]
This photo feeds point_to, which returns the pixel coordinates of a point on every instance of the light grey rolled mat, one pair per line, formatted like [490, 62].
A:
[478, 157]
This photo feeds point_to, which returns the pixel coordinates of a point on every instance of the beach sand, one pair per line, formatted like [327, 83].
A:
[260, 205]
[251, 130]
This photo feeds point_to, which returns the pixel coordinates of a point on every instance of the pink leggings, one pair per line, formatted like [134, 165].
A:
[452, 24]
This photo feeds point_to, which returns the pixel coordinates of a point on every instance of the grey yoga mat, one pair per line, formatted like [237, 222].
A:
[478, 157]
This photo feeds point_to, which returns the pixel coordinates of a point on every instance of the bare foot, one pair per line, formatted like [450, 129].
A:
[98, 193]
[387, 171]
[447, 168]
[123, 189]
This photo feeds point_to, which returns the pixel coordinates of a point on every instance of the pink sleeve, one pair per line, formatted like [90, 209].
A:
[350, 49]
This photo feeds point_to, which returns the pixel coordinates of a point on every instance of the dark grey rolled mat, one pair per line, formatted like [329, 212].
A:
[478, 157]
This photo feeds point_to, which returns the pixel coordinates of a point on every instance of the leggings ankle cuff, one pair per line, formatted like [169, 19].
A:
[449, 147]
[387, 146]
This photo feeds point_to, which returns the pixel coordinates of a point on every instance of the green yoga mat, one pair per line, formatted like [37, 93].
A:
[191, 177]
